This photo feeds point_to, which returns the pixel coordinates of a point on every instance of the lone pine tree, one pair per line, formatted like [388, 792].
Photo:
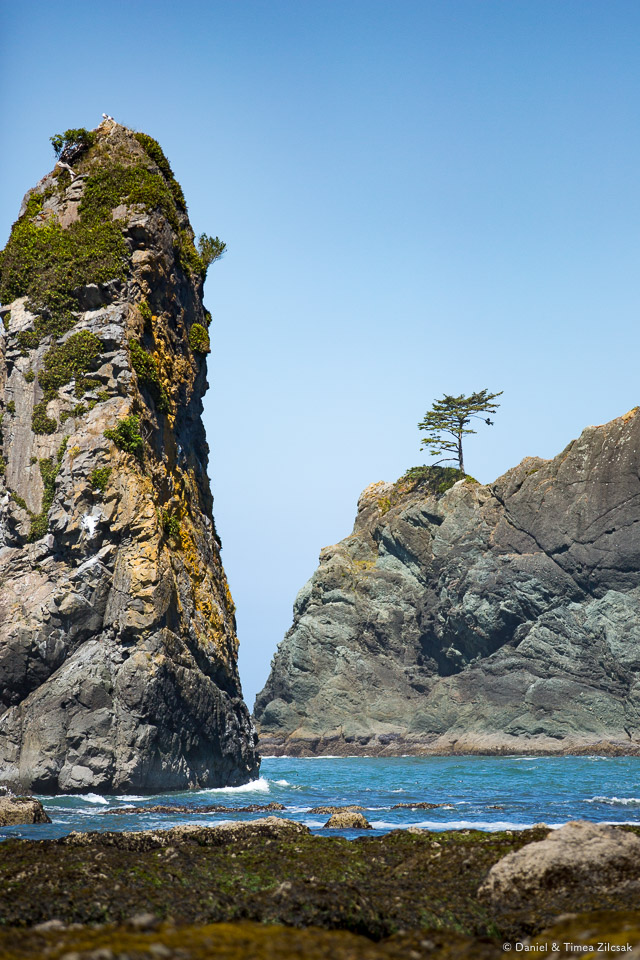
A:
[448, 421]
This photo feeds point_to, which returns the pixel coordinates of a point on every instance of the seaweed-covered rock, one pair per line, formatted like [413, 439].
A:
[14, 810]
[475, 618]
[347, 820]
[118, 647]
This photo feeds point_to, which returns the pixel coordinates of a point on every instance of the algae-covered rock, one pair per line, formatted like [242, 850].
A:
[15, 810]
[347, 820]
[118, 648]
[475, 619]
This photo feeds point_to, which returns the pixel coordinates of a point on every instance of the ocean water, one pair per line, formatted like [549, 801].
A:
[484, 793]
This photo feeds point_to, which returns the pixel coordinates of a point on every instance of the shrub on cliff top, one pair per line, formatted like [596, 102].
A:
[78, 137]
[436, 480]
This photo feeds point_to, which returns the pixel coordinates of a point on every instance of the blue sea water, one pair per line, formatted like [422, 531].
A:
[485, 793]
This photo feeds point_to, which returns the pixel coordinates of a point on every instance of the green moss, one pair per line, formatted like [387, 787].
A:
[11, 407]
[154, 151]
[19, 500]
[6, 320]
[126, 435]
[99, 478]
[49, 470]
[47, 263]
[146, 367]
[145, 312]
[40, 422]
[70, 359]
[170, 524]
[85, 385]
[29, 376]
[3, 466]
[384, 505]
[435, 480]
[102, 396]
[199, 338]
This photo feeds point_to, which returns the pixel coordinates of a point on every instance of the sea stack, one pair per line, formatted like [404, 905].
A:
[468, 618]
[118, 648]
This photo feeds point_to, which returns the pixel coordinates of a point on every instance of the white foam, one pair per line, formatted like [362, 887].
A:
[623, 801]
[440, 825]
[282, 783]
[254, 786]
[89, 797]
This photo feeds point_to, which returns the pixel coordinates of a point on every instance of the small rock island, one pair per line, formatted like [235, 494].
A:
[118, 647]
[467, 618]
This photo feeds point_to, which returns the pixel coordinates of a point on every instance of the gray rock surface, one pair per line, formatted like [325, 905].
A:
[15, 810]
[488, 619]
[118, 649]
[579, 855]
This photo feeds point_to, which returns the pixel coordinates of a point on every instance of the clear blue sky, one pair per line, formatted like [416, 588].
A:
[417, 197]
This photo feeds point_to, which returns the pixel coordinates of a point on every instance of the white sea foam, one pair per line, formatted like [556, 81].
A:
[615, 801]
[254, 786]
[282, 783]
[489, 825]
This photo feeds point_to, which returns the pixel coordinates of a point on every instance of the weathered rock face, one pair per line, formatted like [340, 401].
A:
[486, 619]
[21, 810]
[118, 651]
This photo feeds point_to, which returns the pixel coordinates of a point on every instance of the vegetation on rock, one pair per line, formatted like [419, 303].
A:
[49, 470]
[73, 358]
[147, 368]
[447, 422]
[199, 339]
[75, 137]
[126, 435]
[99, 478]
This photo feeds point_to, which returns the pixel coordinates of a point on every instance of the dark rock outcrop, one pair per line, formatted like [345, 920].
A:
[488, 618]
[118, 650]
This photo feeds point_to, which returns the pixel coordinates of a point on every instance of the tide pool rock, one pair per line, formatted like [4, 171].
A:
[118, 647]
[347, 820]
[476, 618]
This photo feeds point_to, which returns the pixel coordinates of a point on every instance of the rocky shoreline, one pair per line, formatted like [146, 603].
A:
[398, 746]
[269, 888]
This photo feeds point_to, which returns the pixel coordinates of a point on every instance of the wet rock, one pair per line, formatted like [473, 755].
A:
[213, 808]
[347, 820]
[21, 810]
[332, 809]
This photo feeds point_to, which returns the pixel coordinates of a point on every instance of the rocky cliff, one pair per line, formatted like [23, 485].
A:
[474, 619]
[118, 651]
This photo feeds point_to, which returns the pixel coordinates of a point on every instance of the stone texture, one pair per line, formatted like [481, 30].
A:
[21, 810]
[578, 856]
[491, 618]
[118, 648]
[347, 820]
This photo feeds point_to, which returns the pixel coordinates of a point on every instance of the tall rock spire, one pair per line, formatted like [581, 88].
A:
[118, 649]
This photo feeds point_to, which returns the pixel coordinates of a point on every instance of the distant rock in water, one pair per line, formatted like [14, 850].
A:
[118, 649]
[475, 619]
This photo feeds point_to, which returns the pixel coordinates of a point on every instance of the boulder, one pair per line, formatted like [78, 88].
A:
[579, 859]
[21, 810]
[347, 820]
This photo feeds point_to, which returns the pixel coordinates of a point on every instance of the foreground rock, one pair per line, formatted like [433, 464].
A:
[118, 650]
[14, 810]
[602, 859]
[481, 619]
[409, 895]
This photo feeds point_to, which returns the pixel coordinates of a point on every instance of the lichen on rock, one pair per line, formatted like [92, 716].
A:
[118, 648]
